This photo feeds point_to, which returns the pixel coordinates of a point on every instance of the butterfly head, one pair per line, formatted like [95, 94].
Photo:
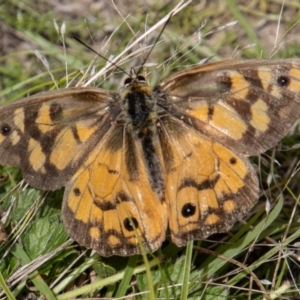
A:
[135, 83]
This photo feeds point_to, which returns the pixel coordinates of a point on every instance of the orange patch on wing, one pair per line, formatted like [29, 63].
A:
[207, 199]
[105, 172]
[233, 181]
[260, 118]
[36, 157]
[66, 146]
[225, 156]
[232, 175]
[229, 206]
[295, 82]
[94, 233]
[226, 120]
[113, 241]
[196, 152]
[2, 137]
[221, 187]
[111, 221]
[211, 219]
[19, 117]
[84, 132]
[275, 91]
[266, 77]
[84, 207]
[96, 214]
[43, 119]
[14, 138]
[201, 112]
[239, 86]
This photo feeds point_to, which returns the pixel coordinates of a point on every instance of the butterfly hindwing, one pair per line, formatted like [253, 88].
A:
[109, 204]
[208, 187]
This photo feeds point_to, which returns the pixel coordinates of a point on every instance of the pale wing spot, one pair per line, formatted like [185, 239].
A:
[260, 119]
[227, 121]
[64, 150]
[294, 84]
[43, 119]
[207, 199]
[222, 187]
[36, 158]
[229, 206]
[239, 86]
[266, 77]
[187, 225]
[111, 220]
[201, 112]
[84, 132]
[96, 214]
[212, 219]
[19, 117]
[113, 241]
[232, 179]
[94, 233]
[276, 92]
[14, 138]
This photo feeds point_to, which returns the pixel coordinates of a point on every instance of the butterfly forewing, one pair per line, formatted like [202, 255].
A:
[49, 135]
[245, 105]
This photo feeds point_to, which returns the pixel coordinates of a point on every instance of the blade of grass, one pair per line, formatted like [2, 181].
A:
[123, 287]
[35, 277]
[6, 289]
[187, 270]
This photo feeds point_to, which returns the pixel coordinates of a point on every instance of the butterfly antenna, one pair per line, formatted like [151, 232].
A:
[157, 39]
[106, 59]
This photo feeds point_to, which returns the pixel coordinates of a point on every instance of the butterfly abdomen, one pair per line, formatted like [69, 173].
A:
[141, 121]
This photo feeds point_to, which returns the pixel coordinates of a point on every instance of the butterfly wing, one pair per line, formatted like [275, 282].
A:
[208, 186]
[247, 106]
[214, 116]
[77, 138]
[109, 204]
[49, 135]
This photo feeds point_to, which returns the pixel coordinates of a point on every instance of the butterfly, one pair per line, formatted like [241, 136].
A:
[146, 163]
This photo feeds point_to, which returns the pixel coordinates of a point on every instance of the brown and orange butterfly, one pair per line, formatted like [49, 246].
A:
[138, 163]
